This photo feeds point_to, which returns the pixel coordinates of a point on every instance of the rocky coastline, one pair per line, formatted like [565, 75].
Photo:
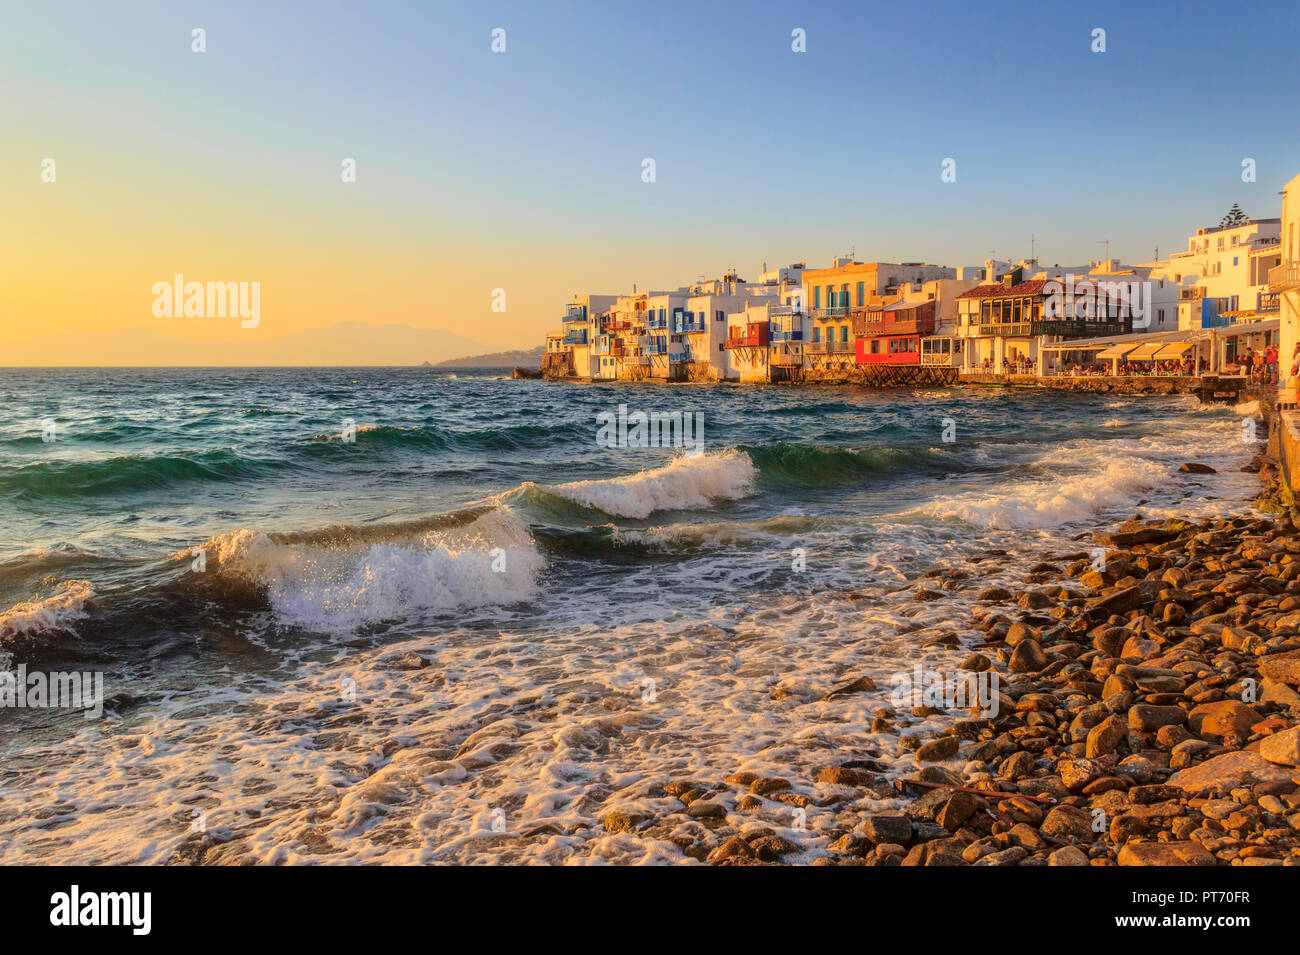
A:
[1147, 715]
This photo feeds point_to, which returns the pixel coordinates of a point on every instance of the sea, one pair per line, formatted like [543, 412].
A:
[414, 616]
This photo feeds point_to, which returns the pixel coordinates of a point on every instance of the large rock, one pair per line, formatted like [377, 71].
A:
[1105, 737]
[1222, 774]
[1282, 667]
[938, 750]
[1165, 853]
[1068, 823]
[1027, 657]
[1077, 773]
[888, 827]
[1282, 748]
[1121, 601]
[1146, 718]
[1224, 718]
[1067, 855]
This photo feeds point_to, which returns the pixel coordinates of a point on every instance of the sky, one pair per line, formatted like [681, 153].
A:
[522, 170]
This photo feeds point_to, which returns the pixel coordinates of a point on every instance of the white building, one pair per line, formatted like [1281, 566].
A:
[580, 327]
[1222, 278]
[1284, 281]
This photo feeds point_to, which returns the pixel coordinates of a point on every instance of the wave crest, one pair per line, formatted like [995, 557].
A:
[54, 612]
[337, 580]
[685, 483]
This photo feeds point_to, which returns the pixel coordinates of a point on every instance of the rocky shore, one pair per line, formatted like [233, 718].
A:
[1147, 715]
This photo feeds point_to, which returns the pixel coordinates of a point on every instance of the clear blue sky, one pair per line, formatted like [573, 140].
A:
[762, 153]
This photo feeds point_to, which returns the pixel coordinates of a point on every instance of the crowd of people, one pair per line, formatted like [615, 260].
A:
[1259, 366]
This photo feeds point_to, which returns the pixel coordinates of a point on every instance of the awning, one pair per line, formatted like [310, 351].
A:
[1174, 350]
[1116, 351]
[1145, 352]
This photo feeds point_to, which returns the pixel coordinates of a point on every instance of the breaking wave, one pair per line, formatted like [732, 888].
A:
[57, 611]
[685, 483]
[341, 578]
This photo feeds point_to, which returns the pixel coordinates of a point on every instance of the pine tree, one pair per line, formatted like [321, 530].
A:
[1235, 217]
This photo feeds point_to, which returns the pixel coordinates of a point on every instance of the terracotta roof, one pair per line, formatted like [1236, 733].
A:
[997, 290]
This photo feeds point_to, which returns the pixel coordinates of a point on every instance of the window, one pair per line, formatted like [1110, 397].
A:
[817, 296]
[817, 333]
[862, 291]
[1234, 260]
[875, 346]
[721, 316]
[844, 332]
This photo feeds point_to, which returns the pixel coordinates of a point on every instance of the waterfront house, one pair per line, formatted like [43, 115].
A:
[746, 344]
[891, 334]
[1003, 325]
[581, 329]
[832, 294]
[703, 324]
[663, 311]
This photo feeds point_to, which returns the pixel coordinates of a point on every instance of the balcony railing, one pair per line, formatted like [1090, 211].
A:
[1284, 277]
[787, 335]
[744, 341]
[577, 336]
[786, 358]
[1268, 302]
[834, 311]
[940, 359]
[687, 326]
[680, 356]
[575, 313]
[830, 348]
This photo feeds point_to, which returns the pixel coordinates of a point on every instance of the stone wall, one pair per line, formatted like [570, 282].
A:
[558, 365]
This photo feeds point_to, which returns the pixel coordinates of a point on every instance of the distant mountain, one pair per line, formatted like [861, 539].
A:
[347, 343]
[499, 359]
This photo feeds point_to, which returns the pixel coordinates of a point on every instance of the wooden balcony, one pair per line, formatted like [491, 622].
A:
[1284, 277]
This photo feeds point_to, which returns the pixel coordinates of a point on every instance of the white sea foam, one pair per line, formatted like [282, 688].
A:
[686, 483]
[491, 561]
[1051, 503]
[60, 609]
[1081, 479]
[1247, 409]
